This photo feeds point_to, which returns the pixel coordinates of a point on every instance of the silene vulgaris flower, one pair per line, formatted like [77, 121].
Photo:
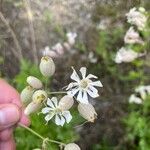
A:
[52, 110]
[132, 37]
[137, 17]
[126, 55]
[83, 86]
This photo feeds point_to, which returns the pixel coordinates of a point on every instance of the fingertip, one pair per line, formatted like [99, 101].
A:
[24, 119]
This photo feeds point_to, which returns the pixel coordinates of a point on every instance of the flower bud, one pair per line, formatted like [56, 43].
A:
[72, 146]
[32, 107]
[34, 82]
[47, 66]
[39, 96]
[26, 95]
[87, 111]
[66, 102]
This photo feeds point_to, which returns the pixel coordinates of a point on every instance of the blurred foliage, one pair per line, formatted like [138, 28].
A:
[137, 126]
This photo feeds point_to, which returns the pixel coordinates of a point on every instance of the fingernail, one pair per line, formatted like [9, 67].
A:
[9, 115]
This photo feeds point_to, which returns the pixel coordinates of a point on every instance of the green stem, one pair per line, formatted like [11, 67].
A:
[40, 136]
[59, 92]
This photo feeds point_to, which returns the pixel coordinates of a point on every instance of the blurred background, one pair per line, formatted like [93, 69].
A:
[27, 27]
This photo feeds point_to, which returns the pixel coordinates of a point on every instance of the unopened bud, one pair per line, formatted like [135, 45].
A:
[34, 82]
[87, 111]
[47, 66]
[26, 95]
[32, 107]
[66, 102]
[39, 96]
[72, 146]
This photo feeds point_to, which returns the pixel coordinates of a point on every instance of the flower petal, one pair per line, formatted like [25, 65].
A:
[73, 91]
[79, 97]
[92, 93]
[83, 72]
[75, 76]
[57, 120]
[96, 83]
[49, 117]
[71, 85]
[85, 98]
[52, 102]
[91, 76]
[67, 116]
[46, 110]
[62, 121]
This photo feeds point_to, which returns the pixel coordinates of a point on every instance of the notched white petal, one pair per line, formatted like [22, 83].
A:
[83, 72]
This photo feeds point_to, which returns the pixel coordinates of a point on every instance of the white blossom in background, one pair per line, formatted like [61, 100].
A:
[52, 110]
[58, 48]
[84, 86]
[71, 36]
[134, 99]
[92, 58]
[127, 55]
[132, 37]
[49, 52]
[137, 17]
[143, 90]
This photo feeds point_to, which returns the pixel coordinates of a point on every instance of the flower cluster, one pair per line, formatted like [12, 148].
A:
[138, 20]
[35, 95]
[137, 17]
[59, 49]
[141, 93]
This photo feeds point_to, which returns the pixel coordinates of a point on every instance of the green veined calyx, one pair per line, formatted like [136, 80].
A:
[47, 66]
[66, 102]
[26, 95]
[34, 82]
[87, 111]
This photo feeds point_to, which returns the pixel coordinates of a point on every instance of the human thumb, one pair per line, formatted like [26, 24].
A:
[9, 115]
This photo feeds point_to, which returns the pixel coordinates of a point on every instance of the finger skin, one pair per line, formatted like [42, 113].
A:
[9, 115]
[6, 134]
[8, 145]
[10, 95]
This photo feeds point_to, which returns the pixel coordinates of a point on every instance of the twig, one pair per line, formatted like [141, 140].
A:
[31, 28]
[4, 20]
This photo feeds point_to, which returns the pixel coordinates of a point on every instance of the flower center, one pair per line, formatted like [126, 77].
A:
[83, 83]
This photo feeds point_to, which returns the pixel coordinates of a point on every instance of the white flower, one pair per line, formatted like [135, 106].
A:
[126, 55]
[137, 18]
[135, 99]
[52, 110]
[71, 37]
[92, 58]
[143, 91]
[58, 48]
[48, 52]
[132, 37]
[83, 86]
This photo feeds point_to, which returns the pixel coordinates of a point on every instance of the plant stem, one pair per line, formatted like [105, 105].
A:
[40, 136]
[59, 92]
